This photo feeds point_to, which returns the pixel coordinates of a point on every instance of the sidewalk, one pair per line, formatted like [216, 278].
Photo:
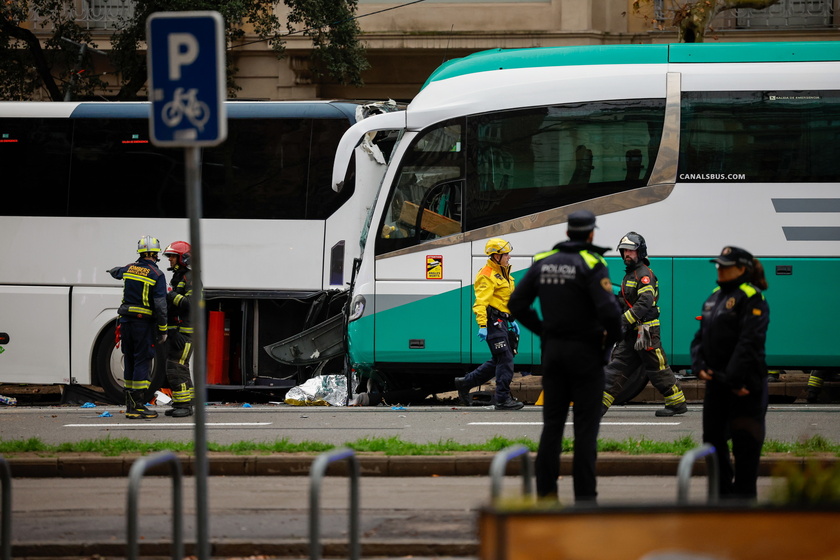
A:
[269, 516]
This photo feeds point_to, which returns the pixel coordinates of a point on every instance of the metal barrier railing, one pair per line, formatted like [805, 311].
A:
[686, 465]
[135, 475]
[316, 475]
[6, 529]
[498, 469]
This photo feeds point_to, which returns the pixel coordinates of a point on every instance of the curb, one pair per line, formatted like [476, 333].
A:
[371, 465]
[293, 548]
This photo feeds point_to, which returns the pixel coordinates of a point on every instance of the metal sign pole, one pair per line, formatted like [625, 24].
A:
[192, 161]
[186, 61]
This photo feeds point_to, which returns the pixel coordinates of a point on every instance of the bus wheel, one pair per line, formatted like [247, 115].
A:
[108, 366]
[636, 382]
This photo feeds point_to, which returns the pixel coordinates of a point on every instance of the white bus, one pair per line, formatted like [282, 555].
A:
[695, 146]
[82, 183]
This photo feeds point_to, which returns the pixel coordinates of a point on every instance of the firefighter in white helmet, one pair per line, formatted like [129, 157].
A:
[142, 323]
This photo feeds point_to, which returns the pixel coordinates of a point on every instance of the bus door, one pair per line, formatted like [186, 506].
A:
[421, 303]
[419, 284]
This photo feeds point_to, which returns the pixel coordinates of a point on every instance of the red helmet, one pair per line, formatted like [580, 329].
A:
[181, 249]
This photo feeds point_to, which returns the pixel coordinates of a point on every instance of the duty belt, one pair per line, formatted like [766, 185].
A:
[493, 313]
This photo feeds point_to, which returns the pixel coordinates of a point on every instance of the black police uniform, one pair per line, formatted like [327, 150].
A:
[179, 341]
[581, 318]
[142, 321]
[730, 344]
[639, 295]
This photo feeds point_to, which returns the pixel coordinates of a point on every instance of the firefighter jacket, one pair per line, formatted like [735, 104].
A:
[178, 299]
[639, 296]
[575, 293]
[493, 286]
[731, 337]
[144, 292]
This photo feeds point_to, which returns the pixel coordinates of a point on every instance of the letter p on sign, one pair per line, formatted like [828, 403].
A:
[183, 50]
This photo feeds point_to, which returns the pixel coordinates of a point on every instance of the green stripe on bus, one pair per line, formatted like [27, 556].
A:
[814, 51]
[506, 59]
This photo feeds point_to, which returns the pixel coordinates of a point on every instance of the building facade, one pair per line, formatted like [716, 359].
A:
[407, 40]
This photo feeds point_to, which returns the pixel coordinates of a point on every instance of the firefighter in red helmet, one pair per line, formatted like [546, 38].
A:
[180, 348]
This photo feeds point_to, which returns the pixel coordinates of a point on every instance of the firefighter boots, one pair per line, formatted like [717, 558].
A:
[179, 410]
[134, 407]
[674, 403]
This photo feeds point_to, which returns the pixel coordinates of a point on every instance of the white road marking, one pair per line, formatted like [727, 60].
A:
[570, 423]
[164, 424]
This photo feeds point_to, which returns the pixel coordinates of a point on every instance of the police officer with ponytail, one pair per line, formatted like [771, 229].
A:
[728, 354]
[641, 344]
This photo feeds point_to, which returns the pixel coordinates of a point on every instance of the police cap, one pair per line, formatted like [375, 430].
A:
[582, 220]
[734, 256]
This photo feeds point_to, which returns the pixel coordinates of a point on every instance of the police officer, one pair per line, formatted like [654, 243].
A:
[641, 344]
[581, 319]
[728, 354]
[142, 322]
[493, 286]
[179, 344]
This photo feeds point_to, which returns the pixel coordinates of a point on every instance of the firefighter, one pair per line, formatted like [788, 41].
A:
[816, 380]
[728, 353]
[179, 345]
[142, 323]
[581, 318]
[641, 343]
[493, 286]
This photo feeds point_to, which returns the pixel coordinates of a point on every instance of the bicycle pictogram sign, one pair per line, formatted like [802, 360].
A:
[185, 104]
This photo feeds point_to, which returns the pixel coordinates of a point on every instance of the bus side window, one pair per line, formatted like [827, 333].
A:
[532, 160]
[759, 136]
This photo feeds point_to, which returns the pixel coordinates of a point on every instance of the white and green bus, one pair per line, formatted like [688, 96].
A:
[695, 146]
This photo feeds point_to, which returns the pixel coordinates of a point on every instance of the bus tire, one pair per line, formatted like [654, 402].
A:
[636, 382]
[108, 366]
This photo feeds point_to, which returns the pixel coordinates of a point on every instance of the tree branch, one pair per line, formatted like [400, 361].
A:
[39, 60]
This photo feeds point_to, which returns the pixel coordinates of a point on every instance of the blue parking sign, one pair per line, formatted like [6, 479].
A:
[187, 86]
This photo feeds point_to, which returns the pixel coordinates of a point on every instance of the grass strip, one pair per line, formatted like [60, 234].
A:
[392, 446]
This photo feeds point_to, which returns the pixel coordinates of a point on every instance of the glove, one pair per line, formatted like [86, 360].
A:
[643, 341]
[514, 326]
[482, 333]
[161, 338]
[113, 271]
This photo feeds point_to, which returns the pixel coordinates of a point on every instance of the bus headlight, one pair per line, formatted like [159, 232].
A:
[357, 308]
